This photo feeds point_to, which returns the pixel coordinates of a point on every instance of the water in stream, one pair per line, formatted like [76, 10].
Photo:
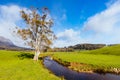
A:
[68, 74]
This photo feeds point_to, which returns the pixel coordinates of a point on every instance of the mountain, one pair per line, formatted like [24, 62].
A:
[4, 42]
[7, 44]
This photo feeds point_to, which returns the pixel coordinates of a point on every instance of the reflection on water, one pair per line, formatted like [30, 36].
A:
[68, 74]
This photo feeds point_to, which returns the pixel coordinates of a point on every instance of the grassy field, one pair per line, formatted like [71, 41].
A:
[107, 59]
[16, 65]
[20, 66]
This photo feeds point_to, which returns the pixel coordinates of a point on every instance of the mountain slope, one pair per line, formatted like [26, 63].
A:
[4, 42]
[8, 45]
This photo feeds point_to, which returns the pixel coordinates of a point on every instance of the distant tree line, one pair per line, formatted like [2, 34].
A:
[87, 46]
[77, 47]
[65, 49]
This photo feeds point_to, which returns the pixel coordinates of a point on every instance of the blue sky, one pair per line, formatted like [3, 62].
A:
[75, 21]
[76, 11]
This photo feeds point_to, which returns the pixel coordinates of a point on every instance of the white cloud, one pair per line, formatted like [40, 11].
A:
[68, 37]
[9, 16]
[10, 13]
[68, 34]
[106, 20]
[105, 26]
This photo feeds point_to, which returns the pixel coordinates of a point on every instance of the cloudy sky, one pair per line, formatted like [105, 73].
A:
[75, 21]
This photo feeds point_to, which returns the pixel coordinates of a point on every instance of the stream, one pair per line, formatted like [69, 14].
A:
[68, 74]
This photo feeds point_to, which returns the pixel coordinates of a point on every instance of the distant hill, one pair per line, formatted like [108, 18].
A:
[7, 44]
[78, 47]
[87, 46]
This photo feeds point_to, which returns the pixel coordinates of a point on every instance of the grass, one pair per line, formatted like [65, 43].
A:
[16, 65]
[106, 59]
[109, 50]
[20, 66]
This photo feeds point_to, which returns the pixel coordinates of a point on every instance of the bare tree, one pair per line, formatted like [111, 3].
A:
[38, 33]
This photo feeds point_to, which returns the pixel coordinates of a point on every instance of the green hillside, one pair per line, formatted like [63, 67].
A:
[111, 50]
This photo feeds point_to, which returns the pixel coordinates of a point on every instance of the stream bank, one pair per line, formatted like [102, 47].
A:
[68, 74]
[81, 67]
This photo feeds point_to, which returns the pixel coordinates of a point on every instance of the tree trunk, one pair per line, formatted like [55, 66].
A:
[36, 55]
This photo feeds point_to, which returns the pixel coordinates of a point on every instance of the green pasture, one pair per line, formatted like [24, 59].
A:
[105, 58]
[20, 66]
